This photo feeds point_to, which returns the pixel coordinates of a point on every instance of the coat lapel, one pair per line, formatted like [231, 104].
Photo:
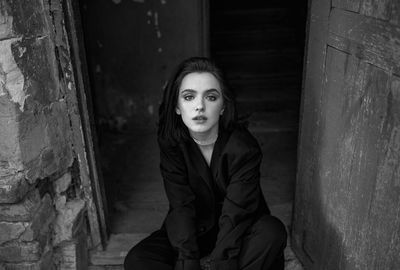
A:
[218, 149]
[200, 164]
[208, 174]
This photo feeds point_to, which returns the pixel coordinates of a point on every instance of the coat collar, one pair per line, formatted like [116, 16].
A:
[208, 174]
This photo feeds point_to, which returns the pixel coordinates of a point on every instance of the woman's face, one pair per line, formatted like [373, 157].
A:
[200, 103]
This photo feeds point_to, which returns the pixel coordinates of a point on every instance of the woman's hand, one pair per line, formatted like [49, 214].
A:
[205, 263]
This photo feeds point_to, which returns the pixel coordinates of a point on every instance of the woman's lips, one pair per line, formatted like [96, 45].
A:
[200, 118]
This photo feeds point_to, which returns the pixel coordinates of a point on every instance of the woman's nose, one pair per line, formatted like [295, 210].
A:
[200, 105]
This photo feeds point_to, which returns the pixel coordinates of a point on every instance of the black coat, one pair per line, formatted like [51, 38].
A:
[227, 193]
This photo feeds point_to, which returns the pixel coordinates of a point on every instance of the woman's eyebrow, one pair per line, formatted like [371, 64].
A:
[191, 91]
[212, 90]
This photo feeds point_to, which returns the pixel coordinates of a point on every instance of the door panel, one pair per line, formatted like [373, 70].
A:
[347, 204]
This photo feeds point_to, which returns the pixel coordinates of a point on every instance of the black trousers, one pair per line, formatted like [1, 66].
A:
[262, 248]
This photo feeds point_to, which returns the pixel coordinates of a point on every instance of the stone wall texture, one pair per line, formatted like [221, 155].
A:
[41, 220]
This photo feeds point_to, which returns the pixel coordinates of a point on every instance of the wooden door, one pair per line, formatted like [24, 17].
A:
[347, 206]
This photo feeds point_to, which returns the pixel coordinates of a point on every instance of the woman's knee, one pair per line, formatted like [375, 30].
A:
[132, 258]
[154, 252]
[271, 230]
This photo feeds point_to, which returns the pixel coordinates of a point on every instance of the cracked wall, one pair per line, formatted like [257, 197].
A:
[42, 217]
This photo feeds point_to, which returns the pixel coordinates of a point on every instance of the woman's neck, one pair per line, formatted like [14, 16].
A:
[205, 138]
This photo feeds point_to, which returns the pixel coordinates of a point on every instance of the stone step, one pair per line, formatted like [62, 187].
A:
[278, 89]
[232, 5]
[259, 82]
[117, 248]
[265, 122]
[143, 217]
[248, 19]
[263, 38]
[273, 95]
[250, 63]
[119, 244]
[267, 105]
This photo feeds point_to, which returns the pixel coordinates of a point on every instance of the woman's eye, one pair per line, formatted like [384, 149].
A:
[188, 97]
[212, 98]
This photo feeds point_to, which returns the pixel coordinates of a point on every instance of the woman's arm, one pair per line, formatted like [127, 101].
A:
[239, 208]
[180, 221]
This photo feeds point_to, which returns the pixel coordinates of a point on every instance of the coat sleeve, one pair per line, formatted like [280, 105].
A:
[180, 220]
[239, 207]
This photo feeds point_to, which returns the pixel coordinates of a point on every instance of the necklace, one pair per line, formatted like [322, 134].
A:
[206, 142]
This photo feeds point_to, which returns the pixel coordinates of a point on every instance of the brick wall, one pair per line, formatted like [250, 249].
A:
[43, 216]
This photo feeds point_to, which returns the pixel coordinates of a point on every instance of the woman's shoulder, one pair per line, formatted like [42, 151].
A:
[242, 140]
[168, 146]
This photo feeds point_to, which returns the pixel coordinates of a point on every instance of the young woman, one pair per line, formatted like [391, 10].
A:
[218, 218]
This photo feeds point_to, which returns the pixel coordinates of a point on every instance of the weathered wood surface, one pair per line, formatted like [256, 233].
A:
[373, 40]
[352, 5]
[347, 209]
[379, 9]
[308, 132]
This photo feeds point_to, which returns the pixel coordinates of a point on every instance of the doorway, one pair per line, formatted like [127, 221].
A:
[260, 45]
[132, 46]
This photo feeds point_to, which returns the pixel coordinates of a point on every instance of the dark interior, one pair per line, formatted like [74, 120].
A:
[132, 46]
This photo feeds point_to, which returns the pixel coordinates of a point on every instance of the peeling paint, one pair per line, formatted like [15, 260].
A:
[163, 2]
[21, 51]
[159, 50]
[6, 24]
[11, 77]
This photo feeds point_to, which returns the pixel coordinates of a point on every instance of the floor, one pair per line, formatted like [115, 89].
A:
[139, 205]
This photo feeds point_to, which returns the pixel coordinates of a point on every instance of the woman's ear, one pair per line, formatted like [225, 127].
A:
[177, 111]
[222, 111]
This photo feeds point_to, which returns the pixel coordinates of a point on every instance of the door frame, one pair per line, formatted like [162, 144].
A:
[87, 151]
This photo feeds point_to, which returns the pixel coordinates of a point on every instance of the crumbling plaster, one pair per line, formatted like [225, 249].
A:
[36, 125]
[42, 206]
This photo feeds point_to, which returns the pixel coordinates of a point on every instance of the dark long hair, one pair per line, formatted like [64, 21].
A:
[170, 126]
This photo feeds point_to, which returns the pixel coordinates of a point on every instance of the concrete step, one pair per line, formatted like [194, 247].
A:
[232, 5]
[260, 82]
[117, 248]
[248, 19]
[267, 105]
[263, 38]
[119, 244]
[268, 90]
[266, 122]
[142, 217]
[267, 93]
[251, 63]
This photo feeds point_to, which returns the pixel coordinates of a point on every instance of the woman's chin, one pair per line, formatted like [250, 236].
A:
[203, 128]
[198, 130]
